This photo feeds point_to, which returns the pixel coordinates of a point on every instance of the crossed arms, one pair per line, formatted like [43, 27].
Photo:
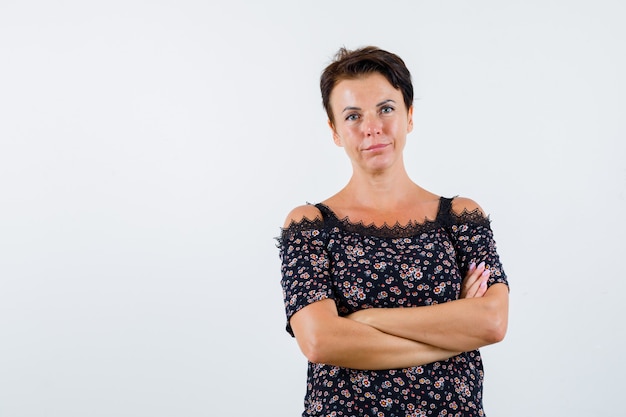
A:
[388, 338]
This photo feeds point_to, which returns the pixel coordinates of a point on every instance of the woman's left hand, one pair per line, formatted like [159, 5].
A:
[475, 283]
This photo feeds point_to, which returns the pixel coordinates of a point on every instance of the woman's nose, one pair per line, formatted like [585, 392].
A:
[373, 126]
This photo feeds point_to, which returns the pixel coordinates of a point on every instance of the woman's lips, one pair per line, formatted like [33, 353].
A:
[376, 147]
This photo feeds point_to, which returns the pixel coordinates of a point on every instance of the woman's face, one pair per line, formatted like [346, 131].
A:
[371, 121]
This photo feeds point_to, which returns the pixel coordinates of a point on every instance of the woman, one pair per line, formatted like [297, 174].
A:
[389, 289]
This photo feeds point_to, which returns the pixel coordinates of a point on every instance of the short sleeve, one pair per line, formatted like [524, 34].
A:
[474, 242]
[304, 266]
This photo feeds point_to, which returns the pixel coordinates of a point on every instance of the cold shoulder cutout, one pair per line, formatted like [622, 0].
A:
[462, 205]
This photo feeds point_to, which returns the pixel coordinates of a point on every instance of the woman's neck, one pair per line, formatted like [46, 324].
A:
[390, 191]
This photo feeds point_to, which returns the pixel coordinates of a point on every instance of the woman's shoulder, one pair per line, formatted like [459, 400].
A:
[465, 205]
[299, 214]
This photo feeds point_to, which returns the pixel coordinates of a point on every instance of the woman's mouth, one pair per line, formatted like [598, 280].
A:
[376, 147]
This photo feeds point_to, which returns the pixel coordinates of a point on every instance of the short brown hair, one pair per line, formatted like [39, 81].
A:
[353, 64]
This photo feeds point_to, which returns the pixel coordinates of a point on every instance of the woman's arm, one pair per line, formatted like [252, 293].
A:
[459, 325]
[325, 337]
[479, 318]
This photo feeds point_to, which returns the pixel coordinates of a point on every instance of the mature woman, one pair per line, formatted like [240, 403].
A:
[389, 289]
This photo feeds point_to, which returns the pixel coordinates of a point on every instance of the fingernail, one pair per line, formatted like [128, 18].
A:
[485, 273]
[472, 265]
[481, 265]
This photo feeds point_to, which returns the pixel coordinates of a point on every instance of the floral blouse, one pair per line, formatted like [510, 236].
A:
[360, 266]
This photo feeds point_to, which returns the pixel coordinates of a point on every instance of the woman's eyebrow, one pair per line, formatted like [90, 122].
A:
[350, 108]
[382, 103]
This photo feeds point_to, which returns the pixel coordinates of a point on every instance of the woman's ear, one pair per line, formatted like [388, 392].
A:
[336, 137]
[409, 126]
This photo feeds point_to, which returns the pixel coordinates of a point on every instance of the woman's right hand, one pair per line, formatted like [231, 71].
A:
[475, 283]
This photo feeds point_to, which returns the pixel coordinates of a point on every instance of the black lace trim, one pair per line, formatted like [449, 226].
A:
[397, 230]
[475, 216]
[295, 227]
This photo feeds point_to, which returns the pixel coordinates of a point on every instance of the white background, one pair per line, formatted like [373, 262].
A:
[150, 151]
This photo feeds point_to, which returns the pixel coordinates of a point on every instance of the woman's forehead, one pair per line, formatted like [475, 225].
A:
[368, 88]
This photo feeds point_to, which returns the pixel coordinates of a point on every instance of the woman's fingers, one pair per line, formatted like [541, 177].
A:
[468, 285]
[482, 287]
[475, 282]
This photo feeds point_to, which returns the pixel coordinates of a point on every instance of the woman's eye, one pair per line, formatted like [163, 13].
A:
[352, 117]
[386, 109]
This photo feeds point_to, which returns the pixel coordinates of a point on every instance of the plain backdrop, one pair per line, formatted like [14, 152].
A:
[151, 150]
